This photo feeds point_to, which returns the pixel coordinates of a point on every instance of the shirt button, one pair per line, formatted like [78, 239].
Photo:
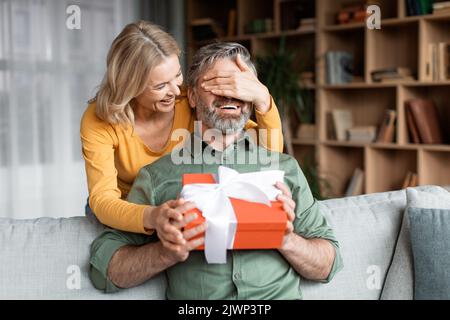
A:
[237, 276]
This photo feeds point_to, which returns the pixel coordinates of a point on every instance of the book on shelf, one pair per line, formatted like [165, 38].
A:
[206, 29]
[342, 121]
[443, 61]
[387, 128]
[329, 122]
[365, 134]
[425, 116]
[419, 7]
[339, 67]
[438, 62]
[410, 180]
[356, 185]
[231, 25]
[259, 26]
[392, 74]
[414, 136]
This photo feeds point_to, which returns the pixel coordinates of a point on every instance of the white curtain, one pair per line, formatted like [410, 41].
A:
[47, 74]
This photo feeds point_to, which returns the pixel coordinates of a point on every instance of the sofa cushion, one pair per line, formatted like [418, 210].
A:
[48, 259]
[399, 282]
[366, 227]
[430, 241]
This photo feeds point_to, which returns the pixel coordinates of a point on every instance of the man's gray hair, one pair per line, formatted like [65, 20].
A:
[206, 56]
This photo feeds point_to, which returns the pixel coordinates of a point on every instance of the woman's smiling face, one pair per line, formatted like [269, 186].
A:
[163, 86]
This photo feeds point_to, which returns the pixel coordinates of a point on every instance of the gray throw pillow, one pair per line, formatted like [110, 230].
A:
[430, 241]
[399, 284]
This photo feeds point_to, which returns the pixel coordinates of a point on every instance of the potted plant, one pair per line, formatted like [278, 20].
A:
[276, 72]
[317, 184]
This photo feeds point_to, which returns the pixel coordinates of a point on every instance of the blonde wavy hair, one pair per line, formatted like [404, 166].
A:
[134, 52]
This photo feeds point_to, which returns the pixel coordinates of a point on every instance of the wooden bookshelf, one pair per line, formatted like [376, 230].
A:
[402, 41]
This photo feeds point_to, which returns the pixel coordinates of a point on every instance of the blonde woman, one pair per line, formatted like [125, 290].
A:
[130, 121]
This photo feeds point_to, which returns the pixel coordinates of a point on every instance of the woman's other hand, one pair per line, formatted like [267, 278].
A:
[166, 219]
[241, 84]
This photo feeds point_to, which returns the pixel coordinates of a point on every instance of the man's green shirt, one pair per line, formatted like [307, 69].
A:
[248, 274]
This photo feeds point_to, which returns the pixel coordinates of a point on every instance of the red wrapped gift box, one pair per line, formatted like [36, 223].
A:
[258, 225]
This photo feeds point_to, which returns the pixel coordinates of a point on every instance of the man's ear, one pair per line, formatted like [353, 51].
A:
[191, 97]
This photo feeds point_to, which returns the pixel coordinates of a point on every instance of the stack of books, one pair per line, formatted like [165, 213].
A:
[308, 24]
[438, 62]
[392, 75]
[339, 67]
[441, 7]
[364, 134]
[423, 122]
[341, 128]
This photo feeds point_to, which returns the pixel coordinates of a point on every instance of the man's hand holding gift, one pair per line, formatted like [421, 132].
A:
[289, 207]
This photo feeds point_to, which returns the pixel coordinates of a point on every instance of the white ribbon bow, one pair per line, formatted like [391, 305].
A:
[214, 203]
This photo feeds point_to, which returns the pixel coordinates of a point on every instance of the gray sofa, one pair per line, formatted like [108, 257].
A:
[48, 258]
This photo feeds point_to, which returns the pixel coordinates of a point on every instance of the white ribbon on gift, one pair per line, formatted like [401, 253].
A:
[214, 203]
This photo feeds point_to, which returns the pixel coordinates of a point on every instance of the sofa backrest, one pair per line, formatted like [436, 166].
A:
[367, 228]
[48, 258]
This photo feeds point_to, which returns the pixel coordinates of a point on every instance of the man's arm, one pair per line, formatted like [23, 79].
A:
[132, 265]
[309, 244]
[311, 258]
[123, 260]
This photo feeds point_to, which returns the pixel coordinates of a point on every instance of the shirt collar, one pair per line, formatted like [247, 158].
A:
[195, 145]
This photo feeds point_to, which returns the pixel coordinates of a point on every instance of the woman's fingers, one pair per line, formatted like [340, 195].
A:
[187, 219]
[191, 233]
[172, 214]
[218, 74]
[187, 206]
[241, 64]
[191, 245]
[217, 81]
[226, 93]
[172, 234]
[222, 87]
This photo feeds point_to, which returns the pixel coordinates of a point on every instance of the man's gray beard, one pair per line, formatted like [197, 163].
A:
[211, 118]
